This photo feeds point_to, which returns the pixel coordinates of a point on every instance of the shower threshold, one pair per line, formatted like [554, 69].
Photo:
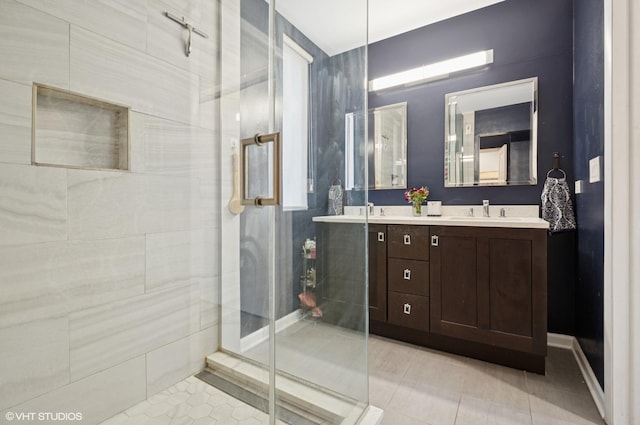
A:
[299, 402]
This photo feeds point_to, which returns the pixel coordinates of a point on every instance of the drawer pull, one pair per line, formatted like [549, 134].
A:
[407, 309]
[407, 239]
[407, 274]
[380, 236]
[435, 240]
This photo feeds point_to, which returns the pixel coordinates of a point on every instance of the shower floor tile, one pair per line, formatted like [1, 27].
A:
[190, 402]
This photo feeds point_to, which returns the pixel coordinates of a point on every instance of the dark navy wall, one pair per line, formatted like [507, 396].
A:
[529, 38]
[589, 143]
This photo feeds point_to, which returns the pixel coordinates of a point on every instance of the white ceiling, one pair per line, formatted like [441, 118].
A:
[340, 25]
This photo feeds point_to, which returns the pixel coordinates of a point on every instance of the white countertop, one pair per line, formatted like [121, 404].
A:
[517, 217]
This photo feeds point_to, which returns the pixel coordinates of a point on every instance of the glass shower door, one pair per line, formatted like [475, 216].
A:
[293, 288]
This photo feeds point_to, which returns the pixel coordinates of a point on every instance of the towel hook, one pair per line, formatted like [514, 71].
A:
[556, 166]
[189, 27]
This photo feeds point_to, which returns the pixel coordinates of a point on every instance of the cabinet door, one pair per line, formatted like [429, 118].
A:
[454, 285]
[378, 272]
[489, 285]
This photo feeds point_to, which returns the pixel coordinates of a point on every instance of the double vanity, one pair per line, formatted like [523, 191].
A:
[462, 282]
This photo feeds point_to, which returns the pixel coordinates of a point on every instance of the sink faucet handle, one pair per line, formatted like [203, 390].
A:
[485, 208]
[470, 213]
[503, 212]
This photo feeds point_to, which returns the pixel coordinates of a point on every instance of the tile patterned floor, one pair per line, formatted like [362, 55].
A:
[418, 386]
[190, 402]
[414, 386]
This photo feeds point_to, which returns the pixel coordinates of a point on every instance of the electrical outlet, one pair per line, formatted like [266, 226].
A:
[594, 170]
[579, 186]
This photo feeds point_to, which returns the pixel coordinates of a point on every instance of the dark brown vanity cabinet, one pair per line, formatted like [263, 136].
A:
[474, 291]
[408, 276]
[378, 272]
[488, 285]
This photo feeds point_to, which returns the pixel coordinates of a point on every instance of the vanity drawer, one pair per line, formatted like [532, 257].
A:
[409, 276]
[410, 311]
[410, 242]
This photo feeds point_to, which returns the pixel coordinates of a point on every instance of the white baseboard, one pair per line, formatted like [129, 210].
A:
[262, 334]
[589, 377]
[560, 341]
[568, 342]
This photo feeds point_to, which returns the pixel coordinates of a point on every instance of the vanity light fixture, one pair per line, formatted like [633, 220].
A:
[433, 71]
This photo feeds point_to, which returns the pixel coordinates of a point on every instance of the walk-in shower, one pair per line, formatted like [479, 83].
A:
[282, 309]
[121, 257]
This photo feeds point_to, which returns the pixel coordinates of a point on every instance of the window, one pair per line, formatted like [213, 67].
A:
[295, 125]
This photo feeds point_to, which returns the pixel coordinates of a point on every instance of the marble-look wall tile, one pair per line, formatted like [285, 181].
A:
[180, 257]
[104, 336]
[97, 397]
[166, 39]
[33, 204]
[113, 204]
[122, 21]
[209, 103]
[176, 361]
[15, 122]
[210, 194]
[230, 308]
[34, 46]
[136, 141]
[177, 149]
[34, 359]
[209, 302]
[46, 280]
[110, 71]
[190, 9]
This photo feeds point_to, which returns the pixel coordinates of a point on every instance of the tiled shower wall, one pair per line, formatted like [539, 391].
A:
[108, 279]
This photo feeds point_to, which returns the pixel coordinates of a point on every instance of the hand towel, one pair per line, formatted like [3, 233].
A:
[557, 207]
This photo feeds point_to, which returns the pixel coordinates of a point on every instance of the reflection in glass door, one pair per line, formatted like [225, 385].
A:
[293, 287]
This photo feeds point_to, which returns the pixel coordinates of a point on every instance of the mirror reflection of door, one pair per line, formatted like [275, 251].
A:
[493, 165]
[502, 158]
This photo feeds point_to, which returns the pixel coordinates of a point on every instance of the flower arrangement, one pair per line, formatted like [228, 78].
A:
[416, 196]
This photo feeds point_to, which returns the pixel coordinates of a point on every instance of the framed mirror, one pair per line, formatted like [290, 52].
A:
[491, 135]
[386, 148]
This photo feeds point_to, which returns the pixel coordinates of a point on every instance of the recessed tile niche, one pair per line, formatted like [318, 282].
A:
[71, 130]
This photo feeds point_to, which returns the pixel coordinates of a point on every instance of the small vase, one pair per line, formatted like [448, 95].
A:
[417, 209]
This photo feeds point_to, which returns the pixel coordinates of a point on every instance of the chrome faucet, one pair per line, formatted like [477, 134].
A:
[485, 208]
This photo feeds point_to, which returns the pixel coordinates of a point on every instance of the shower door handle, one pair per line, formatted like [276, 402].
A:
[261, 145]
